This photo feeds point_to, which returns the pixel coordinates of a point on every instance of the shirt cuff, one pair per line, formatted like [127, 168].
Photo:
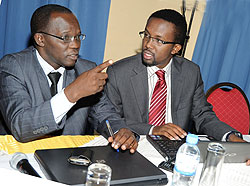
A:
[225, 136]
[60, 105]
[151, 130]
[238, 134]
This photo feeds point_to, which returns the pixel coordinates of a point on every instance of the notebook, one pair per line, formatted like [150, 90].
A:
[236, 152]
[127, 168]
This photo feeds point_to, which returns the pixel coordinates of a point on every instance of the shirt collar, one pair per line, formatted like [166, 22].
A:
[47, 68]
[153, 69]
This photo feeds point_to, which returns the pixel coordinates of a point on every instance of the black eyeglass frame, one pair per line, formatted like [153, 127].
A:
[142, 35]
[63, 38]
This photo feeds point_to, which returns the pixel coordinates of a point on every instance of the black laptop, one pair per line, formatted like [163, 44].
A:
[127, 168]
[236, 152]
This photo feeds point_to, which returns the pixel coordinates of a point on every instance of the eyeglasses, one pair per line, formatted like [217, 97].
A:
[79, 160]
[145, 36]
[67, 39]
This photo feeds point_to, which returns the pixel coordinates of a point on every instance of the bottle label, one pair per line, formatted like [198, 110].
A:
[186, 164]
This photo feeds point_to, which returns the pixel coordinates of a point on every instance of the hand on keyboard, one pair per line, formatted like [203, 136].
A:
[170, 130]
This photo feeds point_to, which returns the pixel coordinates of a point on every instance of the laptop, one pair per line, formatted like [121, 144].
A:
[236, 152]
[127, 169]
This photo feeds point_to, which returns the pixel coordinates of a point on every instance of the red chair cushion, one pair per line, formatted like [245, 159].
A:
[231, 108]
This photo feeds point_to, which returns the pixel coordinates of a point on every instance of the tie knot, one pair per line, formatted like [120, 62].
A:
[160, 74]
[54, 77]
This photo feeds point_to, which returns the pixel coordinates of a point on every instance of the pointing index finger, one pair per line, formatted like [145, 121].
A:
[102, 67]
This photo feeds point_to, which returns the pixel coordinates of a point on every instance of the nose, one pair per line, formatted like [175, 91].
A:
[75, 44]
[149, 42]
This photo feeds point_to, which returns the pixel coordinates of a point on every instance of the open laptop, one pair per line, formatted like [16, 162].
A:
[236, 152]
[127, 168]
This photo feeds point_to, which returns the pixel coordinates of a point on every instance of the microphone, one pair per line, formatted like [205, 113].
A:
[19, 161]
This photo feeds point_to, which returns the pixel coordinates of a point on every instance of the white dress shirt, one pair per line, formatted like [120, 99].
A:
[152, 80]
[59, 103]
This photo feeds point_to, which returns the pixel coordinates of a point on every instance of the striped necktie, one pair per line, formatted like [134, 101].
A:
[157, 111]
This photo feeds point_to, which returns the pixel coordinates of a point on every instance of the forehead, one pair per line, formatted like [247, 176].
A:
[160, 27]
[63, 21]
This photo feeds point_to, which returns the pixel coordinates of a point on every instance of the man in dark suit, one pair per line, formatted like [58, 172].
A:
[131, 82]
[31, 109]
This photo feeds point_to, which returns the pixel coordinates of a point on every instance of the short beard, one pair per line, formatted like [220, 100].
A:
[149, 65]
[154, 63]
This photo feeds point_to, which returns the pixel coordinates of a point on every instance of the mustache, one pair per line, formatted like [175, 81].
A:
[148, 51]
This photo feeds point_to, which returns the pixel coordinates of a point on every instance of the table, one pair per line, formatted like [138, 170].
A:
[8, 146]
[231, 174]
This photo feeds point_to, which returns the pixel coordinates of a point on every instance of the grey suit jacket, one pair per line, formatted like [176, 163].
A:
[25, 100]
[127, 88]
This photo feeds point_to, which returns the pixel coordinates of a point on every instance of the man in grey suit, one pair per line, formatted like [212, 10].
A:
[31, 109]
[131, 82]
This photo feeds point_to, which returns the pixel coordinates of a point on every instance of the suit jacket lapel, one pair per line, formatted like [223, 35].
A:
[140, 87]
[69, 77]
[176, 84]
[42, 79]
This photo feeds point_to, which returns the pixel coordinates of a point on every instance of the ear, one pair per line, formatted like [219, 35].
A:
[176, 49]
[39, 39]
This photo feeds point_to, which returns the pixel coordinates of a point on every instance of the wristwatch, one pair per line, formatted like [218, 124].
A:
[238, 134]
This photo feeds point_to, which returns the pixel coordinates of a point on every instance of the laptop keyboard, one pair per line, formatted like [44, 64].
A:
[166, 147]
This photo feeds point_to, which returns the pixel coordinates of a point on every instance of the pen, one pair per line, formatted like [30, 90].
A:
[111, 132]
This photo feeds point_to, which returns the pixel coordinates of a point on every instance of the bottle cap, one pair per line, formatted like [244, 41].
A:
[192, 139]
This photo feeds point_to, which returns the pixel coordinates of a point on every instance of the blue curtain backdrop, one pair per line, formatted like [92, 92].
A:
[92, 15]
[223, 44]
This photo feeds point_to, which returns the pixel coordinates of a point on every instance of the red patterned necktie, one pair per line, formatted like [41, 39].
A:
[157, 111]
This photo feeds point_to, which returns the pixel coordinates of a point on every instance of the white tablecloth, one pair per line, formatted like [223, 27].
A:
[237, 174]
[233, 174]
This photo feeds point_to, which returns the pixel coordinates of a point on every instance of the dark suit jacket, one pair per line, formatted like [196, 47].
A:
[127, 88]
[25, 100]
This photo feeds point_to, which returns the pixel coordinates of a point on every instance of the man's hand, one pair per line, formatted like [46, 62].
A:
[248, 162]
[88, 83]
[169, 130]
[125, 139]
[234, 138]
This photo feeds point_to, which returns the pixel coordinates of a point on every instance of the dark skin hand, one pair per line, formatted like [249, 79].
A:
[234, 138]
[91, 82]
[173, 131]
[248, 162]
[169, 130]
[125, 139]
[88, 83]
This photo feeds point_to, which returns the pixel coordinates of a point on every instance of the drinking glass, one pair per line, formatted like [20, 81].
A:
[98, 174]
[212, 165]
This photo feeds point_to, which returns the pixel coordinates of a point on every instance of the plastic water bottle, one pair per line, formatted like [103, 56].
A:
[187, 161]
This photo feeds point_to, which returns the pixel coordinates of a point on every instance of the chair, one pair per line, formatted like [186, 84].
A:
[230, 105]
